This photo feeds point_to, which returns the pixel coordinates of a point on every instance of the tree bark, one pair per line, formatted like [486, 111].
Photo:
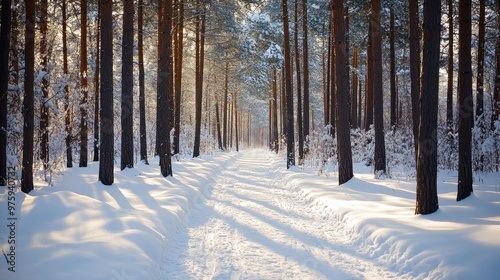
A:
[44, 110]
[333, 83]
[107, 150]
[305, 69]
[496, 91]
[235, 108]
[449, 95]
[480, 61]
[354, 88]
[142, 95]
[217, 117]
[326, 77]
[480, 77]
[127, 98]
[290, 137]
[394, 114]
[4, 85]
[29, 94]
[224, 121]
[96, 85]
[378, 95]
[465, 106]
[164, 88]
[369, 81]
[415, 69]
[84, 86]
[67, 118]
[343, 130]
[199, 80]
[426, 193]
[299, 84]
[275, 112]
[178, 76]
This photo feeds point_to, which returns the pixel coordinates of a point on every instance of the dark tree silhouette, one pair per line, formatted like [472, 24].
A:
[305, 69]
[369, 81]
[84, 86]
[290, 138]
[164, 86]
[300, 132]
[29, 95]
[127, 100]
[343, 129]
[392, 54]
[200, 57]
[427, 199]
[178, 74]
[44, 109]
[107, 150]
[142, 97]
[4, 84]
[224, 121]
[378, 109]
[96, 84]
[414, 69]
[465, 106]
[449, 93]
[67, 117]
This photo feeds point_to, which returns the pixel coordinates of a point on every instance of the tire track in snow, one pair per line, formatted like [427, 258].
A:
[253, 227]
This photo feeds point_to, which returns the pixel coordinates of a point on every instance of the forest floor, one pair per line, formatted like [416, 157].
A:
[253, 227]
[244, 216]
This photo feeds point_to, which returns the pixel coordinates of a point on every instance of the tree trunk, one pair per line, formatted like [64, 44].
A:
[142, 97]
[164, 87]
[29, 94]
[449, 94]
[333, 83]
[480, 76]
[84, 86]
[178, 76]
[465, 106]
[427, 199]
[199, 78]
[299, 84]
[378, 96]
[127, 98]
[230, 125]
[305, 69]
[226, 89]
[326, 78]
[4, 85]
[496, 91]
[369, 81]
[343, 130]
[44, 110]
[67, 118]
[480, 61]
[217, 117]
[275, 112]
[96, 85]
[235, 108]
[415, 69]
[290, 141]
[283, 103]
[270, 121]
[394, 114]
[354, 87]
[360, 97]
[107, 150]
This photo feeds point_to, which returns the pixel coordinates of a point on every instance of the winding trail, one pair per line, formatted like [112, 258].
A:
[251, 226]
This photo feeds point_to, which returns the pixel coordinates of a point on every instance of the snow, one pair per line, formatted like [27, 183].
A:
[244, 216]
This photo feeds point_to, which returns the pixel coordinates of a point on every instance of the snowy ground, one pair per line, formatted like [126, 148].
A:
[244, 216]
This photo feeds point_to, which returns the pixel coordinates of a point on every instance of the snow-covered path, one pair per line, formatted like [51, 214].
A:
[251, 226]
